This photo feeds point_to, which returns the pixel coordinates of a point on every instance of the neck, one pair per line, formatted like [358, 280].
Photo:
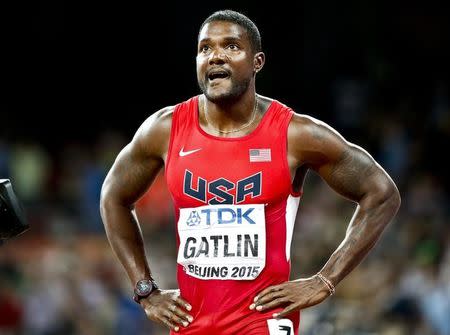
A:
[230, 116]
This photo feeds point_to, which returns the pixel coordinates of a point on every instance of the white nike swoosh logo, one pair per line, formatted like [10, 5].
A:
[185, 153]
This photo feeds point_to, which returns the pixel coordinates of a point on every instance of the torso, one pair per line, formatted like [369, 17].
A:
[222, 188]
[296, 171]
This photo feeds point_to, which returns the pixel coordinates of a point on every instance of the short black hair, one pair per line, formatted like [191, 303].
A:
[239, 19]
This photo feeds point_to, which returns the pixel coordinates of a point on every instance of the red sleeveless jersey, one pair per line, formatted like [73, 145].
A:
[235, 212]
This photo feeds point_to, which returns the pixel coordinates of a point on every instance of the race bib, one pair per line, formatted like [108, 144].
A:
[280, 327]
[222, 241]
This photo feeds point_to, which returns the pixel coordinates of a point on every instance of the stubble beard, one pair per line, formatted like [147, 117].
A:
[236, 91]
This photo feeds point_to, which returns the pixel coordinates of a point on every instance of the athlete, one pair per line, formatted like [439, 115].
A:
[235, 162]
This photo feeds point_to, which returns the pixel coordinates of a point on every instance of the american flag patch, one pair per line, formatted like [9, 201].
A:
[260, 155]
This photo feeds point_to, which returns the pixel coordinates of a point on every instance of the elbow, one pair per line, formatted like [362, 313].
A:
[105, 196]
[111, 200]
[107, 199]
[381, 192]
[389, 195]
[396, 198]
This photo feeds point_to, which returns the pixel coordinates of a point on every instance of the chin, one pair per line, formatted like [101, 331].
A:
[222, 95]
[218, 96]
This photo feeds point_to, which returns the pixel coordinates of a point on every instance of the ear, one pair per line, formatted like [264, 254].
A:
[258, 61]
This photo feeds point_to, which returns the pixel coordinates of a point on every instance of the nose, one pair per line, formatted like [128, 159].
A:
[217, 57]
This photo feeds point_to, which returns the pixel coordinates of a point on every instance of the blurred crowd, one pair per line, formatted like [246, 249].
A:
[61, 277]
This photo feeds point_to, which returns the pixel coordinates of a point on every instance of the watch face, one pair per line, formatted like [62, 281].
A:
[144, 287]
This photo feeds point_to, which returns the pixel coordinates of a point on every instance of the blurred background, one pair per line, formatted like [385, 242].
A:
[79, 79]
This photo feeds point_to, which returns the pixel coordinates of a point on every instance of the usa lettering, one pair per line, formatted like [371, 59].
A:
[222, 190]
[222, 246]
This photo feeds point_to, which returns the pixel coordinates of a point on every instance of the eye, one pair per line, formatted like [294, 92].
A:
[233, 47]
[204, 48]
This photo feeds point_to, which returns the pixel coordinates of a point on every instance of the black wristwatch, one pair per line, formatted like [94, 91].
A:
[143, 289]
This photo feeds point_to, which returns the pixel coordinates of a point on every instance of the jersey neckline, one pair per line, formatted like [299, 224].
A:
[253, 133]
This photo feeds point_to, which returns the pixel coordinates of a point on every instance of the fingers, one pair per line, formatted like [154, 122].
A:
[182, 314]
[183, 303]
[267, 296]
[177, 315]
[168, 318]
[268, 290]
[169, 309]
[271, 304]
[180, 309]
[288, 310]
[292, 296]
[176, 319]
[265, 299]
[169, 324]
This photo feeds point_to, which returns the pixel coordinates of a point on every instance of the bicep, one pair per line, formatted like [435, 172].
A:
[131, 174]
[352, 172]
[347, 168]
[139, 162]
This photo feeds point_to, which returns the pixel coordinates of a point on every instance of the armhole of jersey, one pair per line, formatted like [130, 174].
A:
[171, 137]
[292, 204]
[293, 199]
[296, 194]
[292, 192]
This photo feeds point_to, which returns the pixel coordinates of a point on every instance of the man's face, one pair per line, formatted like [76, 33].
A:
[225, 61]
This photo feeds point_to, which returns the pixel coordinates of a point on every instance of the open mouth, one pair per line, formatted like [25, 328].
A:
[213, 75]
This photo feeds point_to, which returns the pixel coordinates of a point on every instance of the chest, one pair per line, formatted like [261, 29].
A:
[210, 171]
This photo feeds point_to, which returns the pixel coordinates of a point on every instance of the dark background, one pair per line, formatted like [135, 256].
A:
[79, 78]
[81, 67]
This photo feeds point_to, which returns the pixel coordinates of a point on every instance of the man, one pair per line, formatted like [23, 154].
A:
[235, 163]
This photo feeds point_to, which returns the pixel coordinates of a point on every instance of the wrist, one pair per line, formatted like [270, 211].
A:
[327, 283]
[144, 288]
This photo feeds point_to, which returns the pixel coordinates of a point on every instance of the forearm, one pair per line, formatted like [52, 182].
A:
[368, 222]
[125, 238]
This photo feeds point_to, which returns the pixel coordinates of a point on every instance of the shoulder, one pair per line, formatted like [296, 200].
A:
[301, 125]
[306, 123]
[153, 135]
[311, 140]
[307, 128]
[160, 121]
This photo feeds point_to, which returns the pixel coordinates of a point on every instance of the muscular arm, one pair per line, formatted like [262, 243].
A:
[132, 173]
[354, 174]
[130, 176]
